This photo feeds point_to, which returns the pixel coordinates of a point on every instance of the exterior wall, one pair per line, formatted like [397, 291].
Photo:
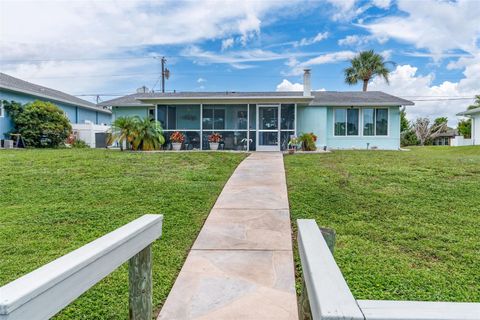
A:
[313, 119]
[74, 113]
[319, 120]
[476, 129]
[118, 112]
[390, 142]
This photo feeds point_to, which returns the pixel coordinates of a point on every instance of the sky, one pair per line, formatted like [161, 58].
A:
[111, 48]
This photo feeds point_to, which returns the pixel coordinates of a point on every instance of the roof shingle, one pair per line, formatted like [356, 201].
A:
[14, 84]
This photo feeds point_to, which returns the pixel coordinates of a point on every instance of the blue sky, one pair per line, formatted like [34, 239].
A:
[108, 47]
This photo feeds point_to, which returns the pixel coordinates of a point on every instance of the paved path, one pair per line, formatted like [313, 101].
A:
[241, 265]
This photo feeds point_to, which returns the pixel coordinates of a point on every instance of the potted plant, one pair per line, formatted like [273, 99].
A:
[214, 140]
[292, 145]
[177, 138]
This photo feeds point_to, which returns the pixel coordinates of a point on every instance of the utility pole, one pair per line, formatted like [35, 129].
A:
[165, 73]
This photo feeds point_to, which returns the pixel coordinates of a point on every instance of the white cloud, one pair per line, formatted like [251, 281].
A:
[331, 57]
[201, 80]
[438, 26]
[343, 9]
[405, 82]
[76, 30]
[386, 54]
[286, 85]
[227, 43]
[308, 41]
[237, 59]
[383, 4]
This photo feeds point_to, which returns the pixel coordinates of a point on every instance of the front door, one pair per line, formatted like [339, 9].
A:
[268, 124]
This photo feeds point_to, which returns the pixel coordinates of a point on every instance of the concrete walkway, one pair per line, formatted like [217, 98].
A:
[241, 265]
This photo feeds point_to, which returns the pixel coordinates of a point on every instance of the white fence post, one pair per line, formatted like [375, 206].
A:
[45, 291]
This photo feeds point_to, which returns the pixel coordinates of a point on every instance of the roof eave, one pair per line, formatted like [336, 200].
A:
[252, 99]
[33, 93]
[363, 104]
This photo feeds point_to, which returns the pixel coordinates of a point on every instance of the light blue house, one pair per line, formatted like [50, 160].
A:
[265, 121]
[77, 110]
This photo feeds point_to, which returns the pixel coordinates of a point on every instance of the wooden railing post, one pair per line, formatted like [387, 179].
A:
[303, 305]
[140, 285]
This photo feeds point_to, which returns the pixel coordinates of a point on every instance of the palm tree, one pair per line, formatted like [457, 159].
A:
[476, 104]
[124, 129]
[365, 66]
[148, 135]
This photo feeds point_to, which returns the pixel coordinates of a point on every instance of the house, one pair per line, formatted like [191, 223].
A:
[473, 114]
[82, 114]
[265, 121]
[445, 138]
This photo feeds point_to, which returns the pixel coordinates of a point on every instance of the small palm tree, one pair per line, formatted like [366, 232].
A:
[365, 66]
[476, 104]
[124, 129]
[148, 135]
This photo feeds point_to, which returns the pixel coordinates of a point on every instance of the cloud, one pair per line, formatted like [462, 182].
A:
[286, 85]
[331, 57]
[383, 4]
[308, 41]
[227, 43]
[437, 26]
[405, 82]
[237, 59]
[81, 30]
[201, 80]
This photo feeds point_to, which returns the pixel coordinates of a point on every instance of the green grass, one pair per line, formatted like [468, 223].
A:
[407, 223]
[54, 201]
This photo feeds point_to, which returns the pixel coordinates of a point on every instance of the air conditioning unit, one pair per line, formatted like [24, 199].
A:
[8, 144]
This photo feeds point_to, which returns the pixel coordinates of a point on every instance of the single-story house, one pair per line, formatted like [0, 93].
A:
[265, 121]
[445, 138]
[78, 111]
[473, 114]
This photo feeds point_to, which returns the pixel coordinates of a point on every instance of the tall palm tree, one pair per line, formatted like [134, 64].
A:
[124, 129]
[365, 66]
[148, 135]
[476, 104]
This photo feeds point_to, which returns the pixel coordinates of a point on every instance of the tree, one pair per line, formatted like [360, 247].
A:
[424, 131]
[124, 131]
[476, 103]
[465, 128]
[404, 123]
[365, 66]
[41, 124]
[148, 135]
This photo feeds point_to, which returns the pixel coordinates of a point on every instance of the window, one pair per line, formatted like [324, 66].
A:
[2, 110]
[374, 121]
[368, 122]
[213, 118]
[180, 117]
[381, 123]
[352, 122]
[346, 122]
[340, 128]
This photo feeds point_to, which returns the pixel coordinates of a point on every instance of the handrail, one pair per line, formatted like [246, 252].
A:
[330, 298]
[45, 291]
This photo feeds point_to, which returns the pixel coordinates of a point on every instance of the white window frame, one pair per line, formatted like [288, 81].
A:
[361, 122]
[2, 110]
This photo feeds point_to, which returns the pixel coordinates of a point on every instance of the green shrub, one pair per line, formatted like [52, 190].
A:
[41, 124]
[80, 144]
[307, 141]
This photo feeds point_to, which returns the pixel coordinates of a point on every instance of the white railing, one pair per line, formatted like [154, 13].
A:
[328, 296]
[45, 291]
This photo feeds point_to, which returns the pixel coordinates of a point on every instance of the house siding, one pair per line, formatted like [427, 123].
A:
[118, 112]
[74, 113]
[319, 120]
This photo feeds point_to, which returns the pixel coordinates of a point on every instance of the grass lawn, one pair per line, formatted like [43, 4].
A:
[54, 201]
[408, 223]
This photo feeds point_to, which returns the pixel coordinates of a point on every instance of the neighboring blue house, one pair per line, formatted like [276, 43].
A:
[77, 110]
[341, 120]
